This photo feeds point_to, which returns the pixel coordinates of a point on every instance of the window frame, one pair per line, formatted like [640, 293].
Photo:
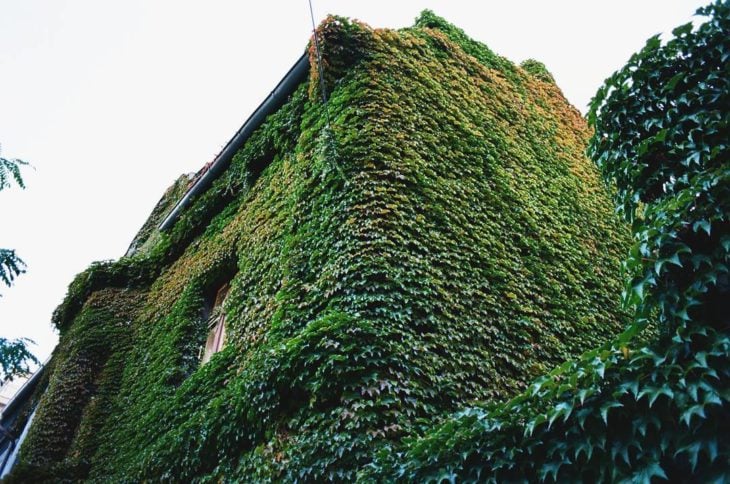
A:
[216, 325]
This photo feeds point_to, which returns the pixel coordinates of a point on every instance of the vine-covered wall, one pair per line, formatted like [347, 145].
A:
[445, 240]
[84, 379]
[650, 406]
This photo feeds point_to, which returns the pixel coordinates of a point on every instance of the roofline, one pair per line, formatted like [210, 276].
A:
[23, 392]
[273, 101]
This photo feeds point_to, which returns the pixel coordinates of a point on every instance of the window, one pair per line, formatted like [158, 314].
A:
[216, 326]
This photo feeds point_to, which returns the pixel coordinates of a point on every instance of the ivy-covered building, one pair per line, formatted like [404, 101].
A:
[344, 275]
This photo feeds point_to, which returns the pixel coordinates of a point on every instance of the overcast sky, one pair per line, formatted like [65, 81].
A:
[112, 100]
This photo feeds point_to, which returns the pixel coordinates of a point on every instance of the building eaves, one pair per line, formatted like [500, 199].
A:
[273, 101]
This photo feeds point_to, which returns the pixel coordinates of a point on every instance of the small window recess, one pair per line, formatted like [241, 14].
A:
[216, 324]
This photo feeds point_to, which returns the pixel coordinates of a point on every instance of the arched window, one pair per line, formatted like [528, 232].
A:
[216, 326]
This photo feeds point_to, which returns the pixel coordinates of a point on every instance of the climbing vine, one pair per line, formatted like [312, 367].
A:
[630, 411]
[455, 245]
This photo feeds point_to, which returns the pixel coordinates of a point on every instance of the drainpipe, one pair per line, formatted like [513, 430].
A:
[12, 454]
[8, 452]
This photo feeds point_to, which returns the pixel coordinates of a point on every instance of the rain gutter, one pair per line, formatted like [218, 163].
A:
[272, 103]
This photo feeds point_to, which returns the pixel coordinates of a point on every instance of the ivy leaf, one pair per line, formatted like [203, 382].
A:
[703, 224]
[606, 407]
[673, 259]
[530, 427]
[671, 84]
[653, 43]
[682, 30]
[647, 473]
[550, 469]
[664, 390]
[692, 450]
[687, 415]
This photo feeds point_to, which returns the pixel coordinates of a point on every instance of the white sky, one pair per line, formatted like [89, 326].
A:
[113, 100]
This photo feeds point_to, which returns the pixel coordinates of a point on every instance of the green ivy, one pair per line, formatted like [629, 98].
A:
[631, 411]
[84, 379]
[538, 69]
[444, 240]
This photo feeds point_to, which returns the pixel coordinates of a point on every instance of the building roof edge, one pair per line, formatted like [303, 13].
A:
[273, 101]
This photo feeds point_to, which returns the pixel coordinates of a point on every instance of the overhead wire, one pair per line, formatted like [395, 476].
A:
[332, 140]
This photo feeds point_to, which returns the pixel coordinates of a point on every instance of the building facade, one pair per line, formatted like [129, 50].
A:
[407, 224]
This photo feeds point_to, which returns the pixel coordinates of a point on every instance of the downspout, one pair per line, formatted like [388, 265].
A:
[22, 396]
[12, 455]
[9, 450]
[273, 102]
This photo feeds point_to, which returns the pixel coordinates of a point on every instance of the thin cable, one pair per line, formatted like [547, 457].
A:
[332, 139]
[319, 61]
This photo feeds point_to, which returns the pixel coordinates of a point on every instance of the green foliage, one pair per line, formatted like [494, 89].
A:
[131, 272]
[538, 69]
[629, 411]
[11, 266]
[15, 359]
[9, 171]
[148, 235]
[429, 20]
[343, 43]
[445, 241]
[79, 399]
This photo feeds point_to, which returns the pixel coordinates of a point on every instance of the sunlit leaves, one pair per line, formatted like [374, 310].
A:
[635, 411]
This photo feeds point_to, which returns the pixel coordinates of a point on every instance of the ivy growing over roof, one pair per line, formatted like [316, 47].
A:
[445, 241]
